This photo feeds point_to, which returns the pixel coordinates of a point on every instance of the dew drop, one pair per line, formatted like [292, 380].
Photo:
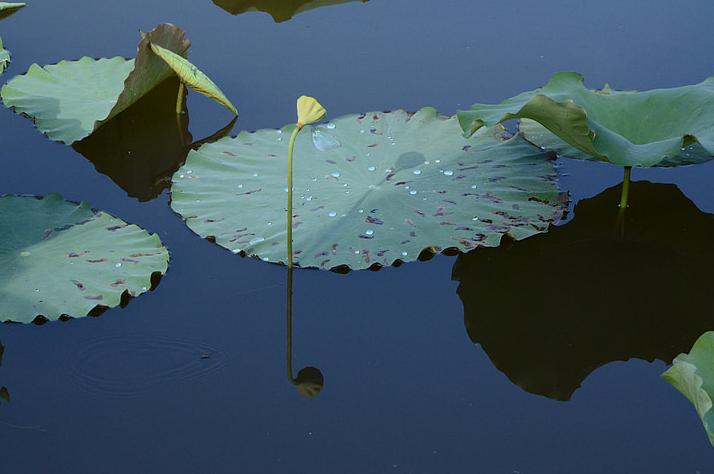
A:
[417, 172]
[361, 211]
[324, 141]
[331, 126]
[437, 161]
[473, 186]
[448, 173]
[240, 186]
[332, 214]
[412, 192]
[404, 254]
[25, 254]
[182, 176]
[118, 265]
[369, 232]
[474, 219]
[256, 240]
[335, 174]
[372, 168]
[255, 175]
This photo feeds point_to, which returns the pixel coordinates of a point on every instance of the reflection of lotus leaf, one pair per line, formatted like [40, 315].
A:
[63, 259]
[280, 10]
[370, 190]
[627, 128]
[4, 393]
[693, 375]
[143, 146]
[551, 309]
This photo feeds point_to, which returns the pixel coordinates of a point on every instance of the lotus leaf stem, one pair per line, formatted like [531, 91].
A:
[625, 188]
[179, 99]
[291, 148]
[290, 326]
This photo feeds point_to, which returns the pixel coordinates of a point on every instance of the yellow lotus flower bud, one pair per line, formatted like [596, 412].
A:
[309, 111]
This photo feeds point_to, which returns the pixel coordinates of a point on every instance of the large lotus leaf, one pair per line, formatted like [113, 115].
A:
[69, 100]
[627, 128]
[143, 146]
[280, 10]
[693, 375]
[593, 291]
[370, 189]
[8, 8]
[62, 258]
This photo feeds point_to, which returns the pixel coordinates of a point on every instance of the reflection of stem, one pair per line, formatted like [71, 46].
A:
[625, 188]
[179, 99]
[291, 148]
[290, 325]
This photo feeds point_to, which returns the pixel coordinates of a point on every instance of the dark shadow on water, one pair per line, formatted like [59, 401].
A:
[141, 148]
[280, 10]
[551, 309]
[4, 393]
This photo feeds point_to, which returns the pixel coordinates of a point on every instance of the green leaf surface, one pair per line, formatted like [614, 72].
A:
[693, 375]
[193, 77]
[8, 8]
[370, 190]
[551, 309]
[62, 258]
[4, 57]
[627, 128]
[280, 10]
[69, 100]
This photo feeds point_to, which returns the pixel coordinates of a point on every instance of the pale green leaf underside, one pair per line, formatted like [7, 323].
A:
[693, 375]
[193, 77]
[381, 187]
[70, 99]
[626, 128]
[280, 10]
[10, 6]
[63, 258]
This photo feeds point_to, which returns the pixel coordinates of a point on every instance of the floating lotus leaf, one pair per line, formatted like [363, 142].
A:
[370, 190]
[7, 8]
[280, 10]
[627, 128]
[693, 375]
[551, 309]
[193, 77]
[71, 99]
[62, 258]
[143, 146]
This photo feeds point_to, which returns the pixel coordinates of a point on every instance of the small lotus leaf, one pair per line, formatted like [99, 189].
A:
[586, 295]
[4, 57]
[370, 190]
[8, 8]
[193, 77]
[627, 128]
[70, 99]
[62, 258]
[693, 375]
[280, 10]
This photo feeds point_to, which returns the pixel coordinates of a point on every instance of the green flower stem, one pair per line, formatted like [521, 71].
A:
[290, 326]
[179, 99]
[291, 148]
[625, 187]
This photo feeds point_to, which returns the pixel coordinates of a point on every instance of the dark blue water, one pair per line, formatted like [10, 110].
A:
[192, 378]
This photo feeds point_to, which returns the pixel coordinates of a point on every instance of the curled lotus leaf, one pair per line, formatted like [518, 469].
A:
[61, 259]
[280, 10]
[71, 99]
[586, 292]
[8, 8]
[661, 127]
[370, 190]
[693, 375]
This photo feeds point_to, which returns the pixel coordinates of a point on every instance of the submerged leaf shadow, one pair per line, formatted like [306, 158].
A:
[143, 146]
[280, 10]
[551, 309]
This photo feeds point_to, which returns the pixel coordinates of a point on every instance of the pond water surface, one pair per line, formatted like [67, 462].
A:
[192, 377]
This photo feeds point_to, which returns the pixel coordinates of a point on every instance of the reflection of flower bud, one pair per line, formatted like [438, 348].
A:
[309, 382]
[309, 111]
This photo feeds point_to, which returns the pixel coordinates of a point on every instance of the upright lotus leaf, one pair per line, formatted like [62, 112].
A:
[370, 190]
[71, 99]
[8, 8]
[141, 148]
[193, 77]
[64, 259]
[551, 309]
[280, 10]
[693, 375]
[627, 128]
[4, 57]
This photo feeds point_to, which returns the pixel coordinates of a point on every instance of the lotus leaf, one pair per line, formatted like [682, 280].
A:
[627, 128]
[141, 148]
[591, 292]
[64, 259]
[370, 189]
[4, 57]
[693, 375]
[7, 8]
[280, 10]
[71, 99]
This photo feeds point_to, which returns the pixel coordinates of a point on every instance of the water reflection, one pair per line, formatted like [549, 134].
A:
[309, 380]
[280, 10]
[142, 147]
[4, 393]
[551, 309]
